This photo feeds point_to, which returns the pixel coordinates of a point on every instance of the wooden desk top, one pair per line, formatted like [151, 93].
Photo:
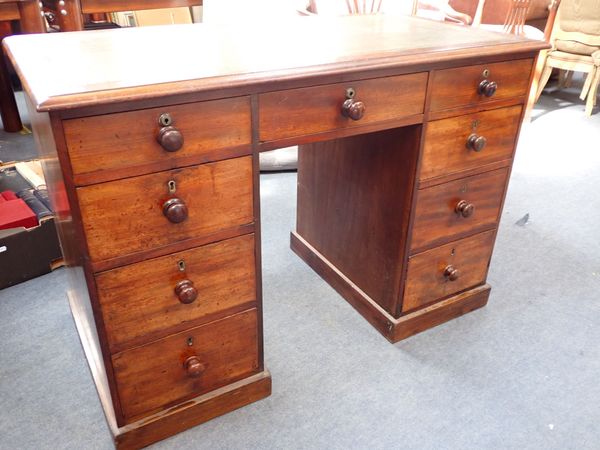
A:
[67, 70]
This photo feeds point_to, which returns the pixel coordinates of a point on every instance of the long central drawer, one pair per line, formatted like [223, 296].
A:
[132, 215]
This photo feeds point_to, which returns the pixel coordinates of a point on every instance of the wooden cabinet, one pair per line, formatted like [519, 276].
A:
[408, 128]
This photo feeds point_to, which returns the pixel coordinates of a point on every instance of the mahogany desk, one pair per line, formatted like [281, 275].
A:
[150, 141]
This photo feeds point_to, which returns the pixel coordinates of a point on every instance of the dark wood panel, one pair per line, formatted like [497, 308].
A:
[129, 139]
[217, 195]
[155, 376]
[317, 109]
[437, 218]
[428, 277]
[445, 149]
[139, 302]
[354, 197]
[458, 87]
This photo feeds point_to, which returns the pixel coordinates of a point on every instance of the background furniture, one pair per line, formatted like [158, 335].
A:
[29, 17]
[400, 188]
[575, 39]
[70, 13]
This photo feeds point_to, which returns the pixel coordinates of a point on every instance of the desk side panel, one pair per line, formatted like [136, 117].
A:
[47, 132]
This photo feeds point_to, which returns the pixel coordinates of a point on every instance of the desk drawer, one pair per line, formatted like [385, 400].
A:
[305, 111]
[445, 270]
[128, 216]
[129, 139]
[439, 216]
[453, 145]
[156, 297]
[452, 88]
[186, 364]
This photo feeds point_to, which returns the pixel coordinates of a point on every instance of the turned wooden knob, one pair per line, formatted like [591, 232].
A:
[464, 208]
[175, 210]
[451, 273]
[186, 292]
[194, 367]
[487, 88]
[353, 109]
[477, 143]
[170, 139]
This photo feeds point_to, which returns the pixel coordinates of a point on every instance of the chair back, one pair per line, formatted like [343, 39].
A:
[364, 6]
[516, 16]
[579, 21]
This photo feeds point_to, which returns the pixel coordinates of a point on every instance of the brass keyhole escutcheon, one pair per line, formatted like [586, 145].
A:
[172, 186]
[165, 120]
[485, 73]
[350, 93]
[181, 265]
[190, 341]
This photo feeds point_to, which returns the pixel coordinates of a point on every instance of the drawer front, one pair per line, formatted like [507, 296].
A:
[144, 301]
[170, 370]
[129, 139]
[452, 88]
[127, 216]
[454, 144]
[445, 270]
[318, 109]
[442, 212]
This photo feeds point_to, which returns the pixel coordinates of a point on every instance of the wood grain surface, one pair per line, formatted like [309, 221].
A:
[153, 376]
[445, 150]
[306, 111]
[116, 65]
[354, 197]
[125, 140]
[139, 303]
[458, 87]
[126, 216]
[436, 220]
[425, 281]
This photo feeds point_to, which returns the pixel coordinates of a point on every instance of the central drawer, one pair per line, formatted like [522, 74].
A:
[153, 298]
[145, 212]
[185, 365]
[306, 111]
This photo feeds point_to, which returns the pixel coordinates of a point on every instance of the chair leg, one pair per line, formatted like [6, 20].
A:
[8, 104]
[593, 93]
[587, 84]
[569, 78]
[543, 80]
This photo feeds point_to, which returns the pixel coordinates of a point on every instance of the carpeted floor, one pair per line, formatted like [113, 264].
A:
[522, 373]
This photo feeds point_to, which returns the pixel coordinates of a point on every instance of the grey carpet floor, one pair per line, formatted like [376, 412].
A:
[521, 373]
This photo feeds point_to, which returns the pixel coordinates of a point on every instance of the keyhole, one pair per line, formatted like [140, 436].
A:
[165, 120]
[172, 186]
[181, 265]
[190, 341]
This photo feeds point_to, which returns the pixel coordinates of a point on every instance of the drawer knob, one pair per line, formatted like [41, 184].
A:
[170, 139]
[353, 109]
[175, 210]
[477, 143]
[194, 367]
[464, 208]
[487, 88]
[451, 273]
[186, 292]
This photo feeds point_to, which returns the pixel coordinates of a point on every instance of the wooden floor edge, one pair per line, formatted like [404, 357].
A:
[194, 412]
[392, 329]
